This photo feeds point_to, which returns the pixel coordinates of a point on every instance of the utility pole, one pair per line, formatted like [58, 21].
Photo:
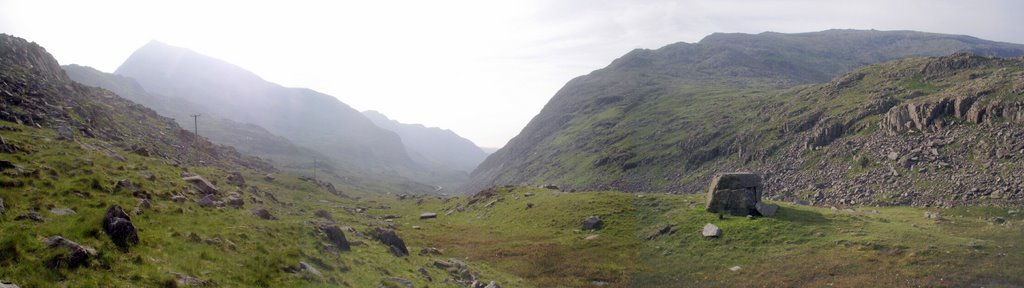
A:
[195, 120]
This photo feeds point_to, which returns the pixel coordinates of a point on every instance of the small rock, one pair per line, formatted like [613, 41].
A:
[207, 201]
[178, 199]
[144, 203]
[658, 232]
[734, 268]
[551, 187]
[893, 156]
[235, 200]
[324, 214]
[492, 285]
[77, 256]
[529, 205]
[430, 251]
[5, 284]
[30, 216]
[933, 215]
[428, 215]
[399, 282]
[767, 210]
[236, 179]
[189, 281]
[593, 223]
[305, 267]
[263, 214]
[423, 271]
[997, 220]
[710, 230]
[268, 177]
[124, 185]
[528, 194]
[2, 208]
[62, 211]
[591, 237]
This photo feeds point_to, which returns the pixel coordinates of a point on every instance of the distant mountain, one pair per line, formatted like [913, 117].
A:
[302, 116]
[489, 150]
[432, 146]
[665, 120]
[247, 138]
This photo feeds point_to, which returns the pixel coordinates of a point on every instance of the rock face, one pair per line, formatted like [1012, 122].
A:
[118, 225]
[201, 184]
[710, 230]
[593, 223]
[734, 193]
[336, 237]
[395, 244]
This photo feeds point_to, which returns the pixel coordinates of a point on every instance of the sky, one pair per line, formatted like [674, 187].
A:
[480, 68]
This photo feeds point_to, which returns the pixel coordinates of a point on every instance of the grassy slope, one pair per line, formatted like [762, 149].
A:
[802, 246]
[258, 251]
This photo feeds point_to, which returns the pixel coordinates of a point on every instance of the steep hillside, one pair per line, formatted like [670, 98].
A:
[431, 146]
[81, 167]
[664, 120]
[305, 117]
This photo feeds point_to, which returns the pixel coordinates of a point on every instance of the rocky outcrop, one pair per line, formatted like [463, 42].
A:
[201, 184]
[335, 236]
[77, 255]
[935, 114]
[394, 243]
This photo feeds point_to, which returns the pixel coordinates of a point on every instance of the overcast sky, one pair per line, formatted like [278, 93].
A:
[480, 68]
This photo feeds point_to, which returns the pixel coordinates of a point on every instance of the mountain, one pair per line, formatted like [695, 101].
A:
[665, 120]
[302, 116]
[431, 146]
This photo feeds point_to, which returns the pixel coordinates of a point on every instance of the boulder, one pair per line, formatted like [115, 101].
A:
[235, 200]
[336, 237]
[710, 230]
[77, 255]
[767, 210]
[118, 225]
[593, 223]
[268, 177]
[236, 179]
[5, 284]
[201, 184]
[734, 193]
[263, 214]
[306, 268]
[395, 244]
[144, 203]
[428, 215]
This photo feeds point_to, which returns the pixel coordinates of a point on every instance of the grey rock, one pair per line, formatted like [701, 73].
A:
[124, 185]
[400, 282]
[428, 215]
[30, 216]
[236, 179]
[207, 201]
[235, 200]
[665, 229]
[593, 223]
[262, 214]
[2, 208]
[933, 215]
[767, 210]
[734, 193]
[188, 281]
[710, 230]
[178, 199]
[305, 267]
[492, 284]
[201, 184]
[77, 255]
[336, 237]
[5, 284]
[62, 211]
[144, 203]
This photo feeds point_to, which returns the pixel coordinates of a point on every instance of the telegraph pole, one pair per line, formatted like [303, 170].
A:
[195, 120]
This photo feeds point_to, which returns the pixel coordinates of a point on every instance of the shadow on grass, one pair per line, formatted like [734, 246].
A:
[800, 216]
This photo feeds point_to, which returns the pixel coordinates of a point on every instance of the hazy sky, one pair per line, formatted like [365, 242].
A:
[480, 68]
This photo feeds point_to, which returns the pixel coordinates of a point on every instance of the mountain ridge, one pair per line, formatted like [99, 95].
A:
[434, 146]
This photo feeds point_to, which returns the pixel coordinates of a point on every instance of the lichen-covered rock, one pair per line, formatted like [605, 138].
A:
[734, 193]
[118, 225]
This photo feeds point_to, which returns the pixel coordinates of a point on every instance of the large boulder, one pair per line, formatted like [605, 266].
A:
[395, 244]
[118, 225]
[593, 223]
[201, 184]
[766, 210]
[734, 193]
